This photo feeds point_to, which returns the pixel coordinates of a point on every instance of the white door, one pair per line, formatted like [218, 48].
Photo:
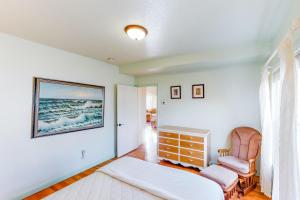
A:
[127, 119]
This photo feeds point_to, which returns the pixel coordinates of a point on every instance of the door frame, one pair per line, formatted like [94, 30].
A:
[116, 109]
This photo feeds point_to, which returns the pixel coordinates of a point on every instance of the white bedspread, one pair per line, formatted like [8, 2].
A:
[99, 186]
[132, 179]
[164, 182]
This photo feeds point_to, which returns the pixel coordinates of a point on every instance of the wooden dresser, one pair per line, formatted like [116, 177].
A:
[185, 146]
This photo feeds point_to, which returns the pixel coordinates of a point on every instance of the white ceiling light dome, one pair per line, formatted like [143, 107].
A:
[136, 32]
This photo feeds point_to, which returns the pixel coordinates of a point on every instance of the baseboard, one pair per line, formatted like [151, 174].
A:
[57, 180]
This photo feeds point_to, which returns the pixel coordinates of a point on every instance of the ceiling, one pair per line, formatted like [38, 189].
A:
[191, 32]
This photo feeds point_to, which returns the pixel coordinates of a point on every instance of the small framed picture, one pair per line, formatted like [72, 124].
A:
[198, 91]
[175, 92]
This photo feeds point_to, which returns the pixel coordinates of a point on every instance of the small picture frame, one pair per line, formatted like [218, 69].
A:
[198, 91]
[175, 92]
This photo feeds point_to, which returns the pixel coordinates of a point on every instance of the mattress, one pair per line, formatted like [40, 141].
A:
[132, 179]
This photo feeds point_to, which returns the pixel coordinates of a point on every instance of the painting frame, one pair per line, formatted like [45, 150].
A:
[36, 101]
[172, 92]
[201, 87]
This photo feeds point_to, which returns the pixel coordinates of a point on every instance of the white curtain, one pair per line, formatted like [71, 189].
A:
[289, 169]
[276, 124]
[280, 114]
[266, 165]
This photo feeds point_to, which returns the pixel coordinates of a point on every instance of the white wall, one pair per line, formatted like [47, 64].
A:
[231, 100]
[28, 164]
[126, 79]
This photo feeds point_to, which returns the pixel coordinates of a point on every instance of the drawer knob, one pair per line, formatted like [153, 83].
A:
[191, 160]
[168, 148]
[190, 145]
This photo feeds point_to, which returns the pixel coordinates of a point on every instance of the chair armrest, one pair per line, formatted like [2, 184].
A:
[252, 165]
[223, 152]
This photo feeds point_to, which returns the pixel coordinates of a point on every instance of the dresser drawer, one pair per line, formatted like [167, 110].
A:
[192, 138]
[188, 152]
[192, 161]
[168, 141]
[170, 135]
[192, 145]
[168, 155]
[168, 148]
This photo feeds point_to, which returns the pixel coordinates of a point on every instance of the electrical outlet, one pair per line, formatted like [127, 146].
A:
[82, 154]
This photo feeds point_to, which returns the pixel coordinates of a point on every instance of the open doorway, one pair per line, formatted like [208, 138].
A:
[151, 107]
[148, 117]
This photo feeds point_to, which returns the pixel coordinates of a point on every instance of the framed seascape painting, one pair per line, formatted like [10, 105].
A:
[198, 91]
[62, 107]
[175, 92]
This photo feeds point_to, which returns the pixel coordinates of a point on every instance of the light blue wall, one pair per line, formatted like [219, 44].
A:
[231, 100]
[27, 165]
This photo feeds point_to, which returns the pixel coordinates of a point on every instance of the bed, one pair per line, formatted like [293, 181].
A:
[133, 179]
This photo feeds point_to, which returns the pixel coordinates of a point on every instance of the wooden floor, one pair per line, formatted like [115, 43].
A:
[145, 152]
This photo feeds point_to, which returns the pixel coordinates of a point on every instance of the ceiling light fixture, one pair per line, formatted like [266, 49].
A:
[136, 32]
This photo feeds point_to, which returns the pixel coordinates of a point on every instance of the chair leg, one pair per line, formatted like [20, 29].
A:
[232, 194]
[247, 184]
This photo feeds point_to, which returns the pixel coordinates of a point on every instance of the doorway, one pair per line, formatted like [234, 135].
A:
[148, 118]
[137, 121]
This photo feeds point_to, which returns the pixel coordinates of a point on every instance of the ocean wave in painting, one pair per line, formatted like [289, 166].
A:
[57, 115]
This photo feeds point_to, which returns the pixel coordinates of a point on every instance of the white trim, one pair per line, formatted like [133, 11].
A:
[168, 145]
[168, 152]
[191, 141]
[192, 149]
[182, 163]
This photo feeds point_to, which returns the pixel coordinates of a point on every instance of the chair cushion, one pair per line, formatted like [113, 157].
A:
[224, 177]
[245, 143]
[234, 163]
